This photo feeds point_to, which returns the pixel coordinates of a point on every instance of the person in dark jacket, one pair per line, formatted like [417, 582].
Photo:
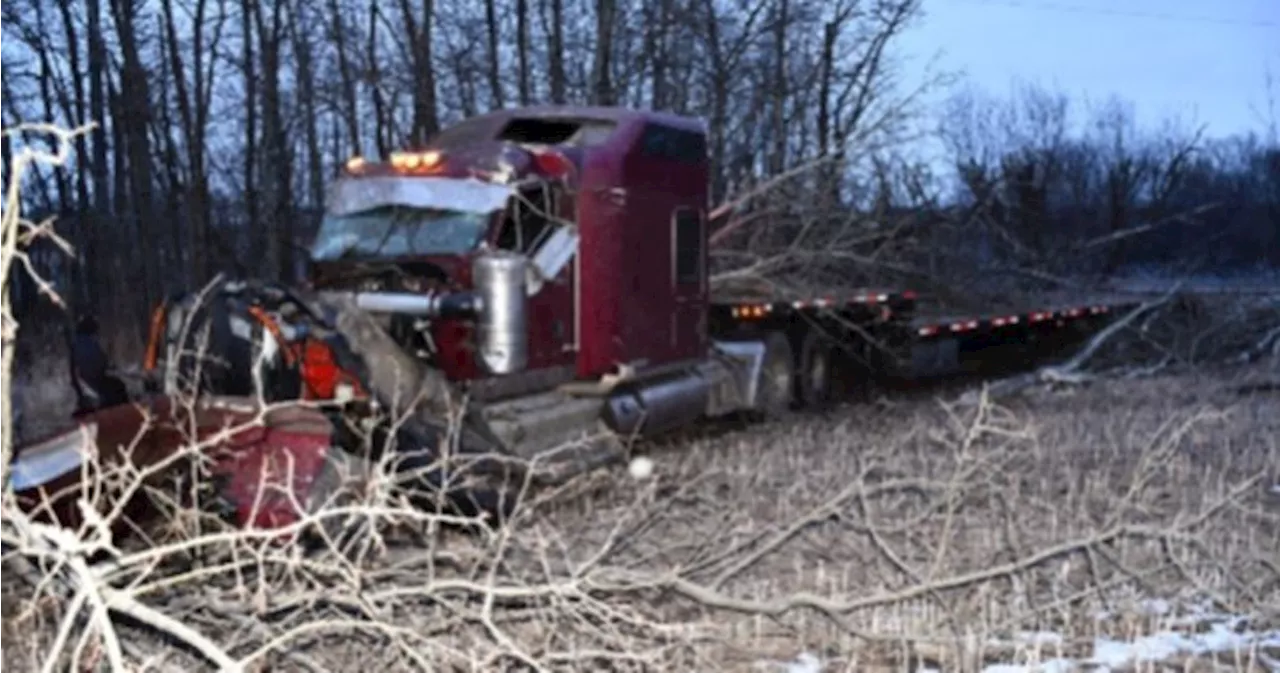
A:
[95, 386]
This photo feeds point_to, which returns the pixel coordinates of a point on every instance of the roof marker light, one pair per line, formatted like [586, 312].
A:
[415, 161]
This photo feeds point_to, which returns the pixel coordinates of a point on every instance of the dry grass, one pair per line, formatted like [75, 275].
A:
[1036, 508]
[883, 537]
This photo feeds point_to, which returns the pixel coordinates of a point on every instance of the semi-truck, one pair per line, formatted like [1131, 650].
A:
[534, 283]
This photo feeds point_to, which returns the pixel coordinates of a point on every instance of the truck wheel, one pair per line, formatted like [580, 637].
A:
[775, 386]
[487, 487]
[813, 385]
[338, 485]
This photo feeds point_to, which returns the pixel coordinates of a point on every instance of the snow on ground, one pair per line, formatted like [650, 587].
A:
[1197, 633]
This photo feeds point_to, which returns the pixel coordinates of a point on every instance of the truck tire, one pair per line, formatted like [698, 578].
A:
[775, 386]
[813, 384]
[487, 486]
[338, 485]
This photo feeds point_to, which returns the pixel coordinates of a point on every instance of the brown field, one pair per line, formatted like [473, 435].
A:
[900, 535]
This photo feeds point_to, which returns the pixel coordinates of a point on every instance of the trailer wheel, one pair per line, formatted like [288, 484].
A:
[813, 385]
[775, 386]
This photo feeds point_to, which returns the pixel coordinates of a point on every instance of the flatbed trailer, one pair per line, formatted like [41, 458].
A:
[893, 337]
[1001, 341]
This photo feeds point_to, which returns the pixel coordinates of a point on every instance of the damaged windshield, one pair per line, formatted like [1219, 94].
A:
[398, 231]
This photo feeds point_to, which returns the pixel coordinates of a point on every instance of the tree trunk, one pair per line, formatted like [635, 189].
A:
[601, 79]
[306, 76]
[135, 120]
[99, 169]
[257, 234]
[522, 50]
[778, 121]
[192, 125]
[495, 54]
[277, 164]
[426, 120]
[346, 79]
[555, 56]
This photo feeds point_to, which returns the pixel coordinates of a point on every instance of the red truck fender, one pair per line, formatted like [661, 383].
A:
[268, 470]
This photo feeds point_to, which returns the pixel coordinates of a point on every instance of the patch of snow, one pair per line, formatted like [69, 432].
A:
[1047, 666]
[1200, 631]
[805, 662]
[1115, 653]
[1157, 606]
[641, 467]
[1224, 635]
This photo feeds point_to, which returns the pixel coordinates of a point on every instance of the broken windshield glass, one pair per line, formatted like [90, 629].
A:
[397, 231]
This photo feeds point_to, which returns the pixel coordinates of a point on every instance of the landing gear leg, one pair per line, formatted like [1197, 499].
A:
[776, 384]
[814, 381]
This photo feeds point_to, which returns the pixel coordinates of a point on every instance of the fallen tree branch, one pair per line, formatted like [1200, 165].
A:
[1269, 341]
[835, 607]
[1070, 371]
[725, 208]
[1178, 218]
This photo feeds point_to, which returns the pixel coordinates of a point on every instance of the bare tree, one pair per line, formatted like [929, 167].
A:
[496, 97]
[217, 119]
[426, 120]
[603, 90]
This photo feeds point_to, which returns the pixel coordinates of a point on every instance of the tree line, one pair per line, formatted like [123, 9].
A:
[218, 124]
[1042, 177]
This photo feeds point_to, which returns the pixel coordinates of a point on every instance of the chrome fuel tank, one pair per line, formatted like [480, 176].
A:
[499, 278]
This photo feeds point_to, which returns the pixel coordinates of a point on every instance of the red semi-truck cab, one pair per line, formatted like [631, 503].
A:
[531, 254]
[608, 207]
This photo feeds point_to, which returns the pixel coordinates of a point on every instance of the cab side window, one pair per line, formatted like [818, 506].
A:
[687, 239]
[528, 219]
[673, 144]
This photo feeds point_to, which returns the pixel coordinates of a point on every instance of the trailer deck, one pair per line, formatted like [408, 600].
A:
[900, 335]
[933, 326]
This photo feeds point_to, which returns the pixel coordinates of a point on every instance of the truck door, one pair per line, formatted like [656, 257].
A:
[670, 174]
